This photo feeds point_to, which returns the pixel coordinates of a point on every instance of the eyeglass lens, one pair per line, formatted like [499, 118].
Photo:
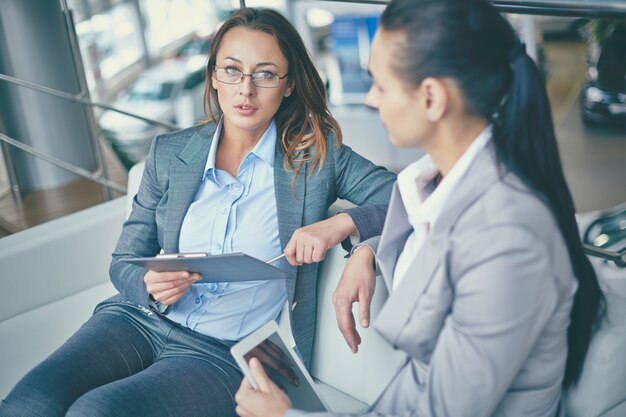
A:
[259, 78]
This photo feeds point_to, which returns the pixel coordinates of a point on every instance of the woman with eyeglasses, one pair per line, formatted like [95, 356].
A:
[492, 298]
[258, 177]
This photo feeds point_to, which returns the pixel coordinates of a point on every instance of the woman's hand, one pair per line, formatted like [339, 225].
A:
[267, 401]
[169, 287]
[357, 284]
[310, 243]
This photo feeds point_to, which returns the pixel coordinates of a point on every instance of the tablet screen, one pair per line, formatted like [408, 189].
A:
[284, 368]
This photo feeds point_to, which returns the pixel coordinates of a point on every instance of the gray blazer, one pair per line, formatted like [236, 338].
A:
[483, 319]
[173, 171]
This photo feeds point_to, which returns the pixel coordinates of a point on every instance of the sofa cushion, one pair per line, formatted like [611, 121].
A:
[30, 337]
[602, 384]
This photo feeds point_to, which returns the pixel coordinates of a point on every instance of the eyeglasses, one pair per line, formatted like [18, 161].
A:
[263, 79]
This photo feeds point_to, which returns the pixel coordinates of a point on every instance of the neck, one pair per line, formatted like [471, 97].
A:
[451, 140]
[235, 143]
[238, 140]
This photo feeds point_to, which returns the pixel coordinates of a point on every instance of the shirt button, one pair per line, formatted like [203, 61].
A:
[212, 287]
[197, 300]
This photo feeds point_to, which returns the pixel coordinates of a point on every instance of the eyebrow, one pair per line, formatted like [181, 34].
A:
[259, 64]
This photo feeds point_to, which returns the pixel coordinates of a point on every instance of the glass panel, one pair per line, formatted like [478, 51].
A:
[169, 21]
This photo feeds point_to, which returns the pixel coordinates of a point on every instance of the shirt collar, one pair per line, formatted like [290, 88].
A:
[264, 149]
[422, 198]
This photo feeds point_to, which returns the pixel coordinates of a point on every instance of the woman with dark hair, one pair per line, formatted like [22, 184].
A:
[491, 295]
[258, 178]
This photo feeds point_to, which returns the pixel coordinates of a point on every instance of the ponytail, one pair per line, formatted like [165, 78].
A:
[526, 145]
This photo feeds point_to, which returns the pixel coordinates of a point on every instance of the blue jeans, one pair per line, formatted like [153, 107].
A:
[128, 361]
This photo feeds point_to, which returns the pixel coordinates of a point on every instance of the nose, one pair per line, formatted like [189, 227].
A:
[371, 99]
[246, 87]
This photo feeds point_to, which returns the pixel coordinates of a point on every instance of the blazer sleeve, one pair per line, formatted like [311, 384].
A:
[369, 219]
[365, 184]
[504, 294]
[139, 235]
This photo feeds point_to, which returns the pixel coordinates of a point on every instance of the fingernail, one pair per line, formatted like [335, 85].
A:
[364, 323]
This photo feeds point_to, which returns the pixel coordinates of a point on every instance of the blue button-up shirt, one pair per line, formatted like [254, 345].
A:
[233, 214]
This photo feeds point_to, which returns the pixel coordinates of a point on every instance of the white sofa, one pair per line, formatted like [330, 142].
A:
[52, 275]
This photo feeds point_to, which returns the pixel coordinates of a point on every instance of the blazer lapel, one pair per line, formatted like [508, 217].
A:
[395, 233]
[397, 309]
[289, 207]
[186, 172]
[480, 176]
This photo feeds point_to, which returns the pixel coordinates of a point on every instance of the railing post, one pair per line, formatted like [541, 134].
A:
[34, 47]
[94, 134]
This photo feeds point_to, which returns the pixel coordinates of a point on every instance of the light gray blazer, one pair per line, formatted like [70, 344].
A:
[173, 171]
[483, 318]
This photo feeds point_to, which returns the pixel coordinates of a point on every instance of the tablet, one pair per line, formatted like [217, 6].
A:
[228, 267]
[282, 364]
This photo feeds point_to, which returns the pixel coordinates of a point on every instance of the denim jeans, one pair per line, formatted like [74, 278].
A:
[127, 360]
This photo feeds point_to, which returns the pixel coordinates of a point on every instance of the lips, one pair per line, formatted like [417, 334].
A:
[245, 109]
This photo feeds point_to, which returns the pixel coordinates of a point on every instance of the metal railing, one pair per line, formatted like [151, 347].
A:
[100, 175]
[75, 98]
[62, 164]
[80, 98]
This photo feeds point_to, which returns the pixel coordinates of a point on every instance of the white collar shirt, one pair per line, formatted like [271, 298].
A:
[424, 200]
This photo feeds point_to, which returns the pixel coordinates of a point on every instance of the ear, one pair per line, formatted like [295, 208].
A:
[435, 98]
[289, 90]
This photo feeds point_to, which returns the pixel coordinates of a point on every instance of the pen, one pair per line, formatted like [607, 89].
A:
[271, 261]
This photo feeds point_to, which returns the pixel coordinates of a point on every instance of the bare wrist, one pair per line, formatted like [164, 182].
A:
[367, 255]
[346, 224]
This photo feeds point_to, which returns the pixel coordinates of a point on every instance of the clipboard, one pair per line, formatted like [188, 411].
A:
[228, 267]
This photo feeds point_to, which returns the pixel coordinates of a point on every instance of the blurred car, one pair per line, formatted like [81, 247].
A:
[603, 96]
[171, 92]
[198, 45]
